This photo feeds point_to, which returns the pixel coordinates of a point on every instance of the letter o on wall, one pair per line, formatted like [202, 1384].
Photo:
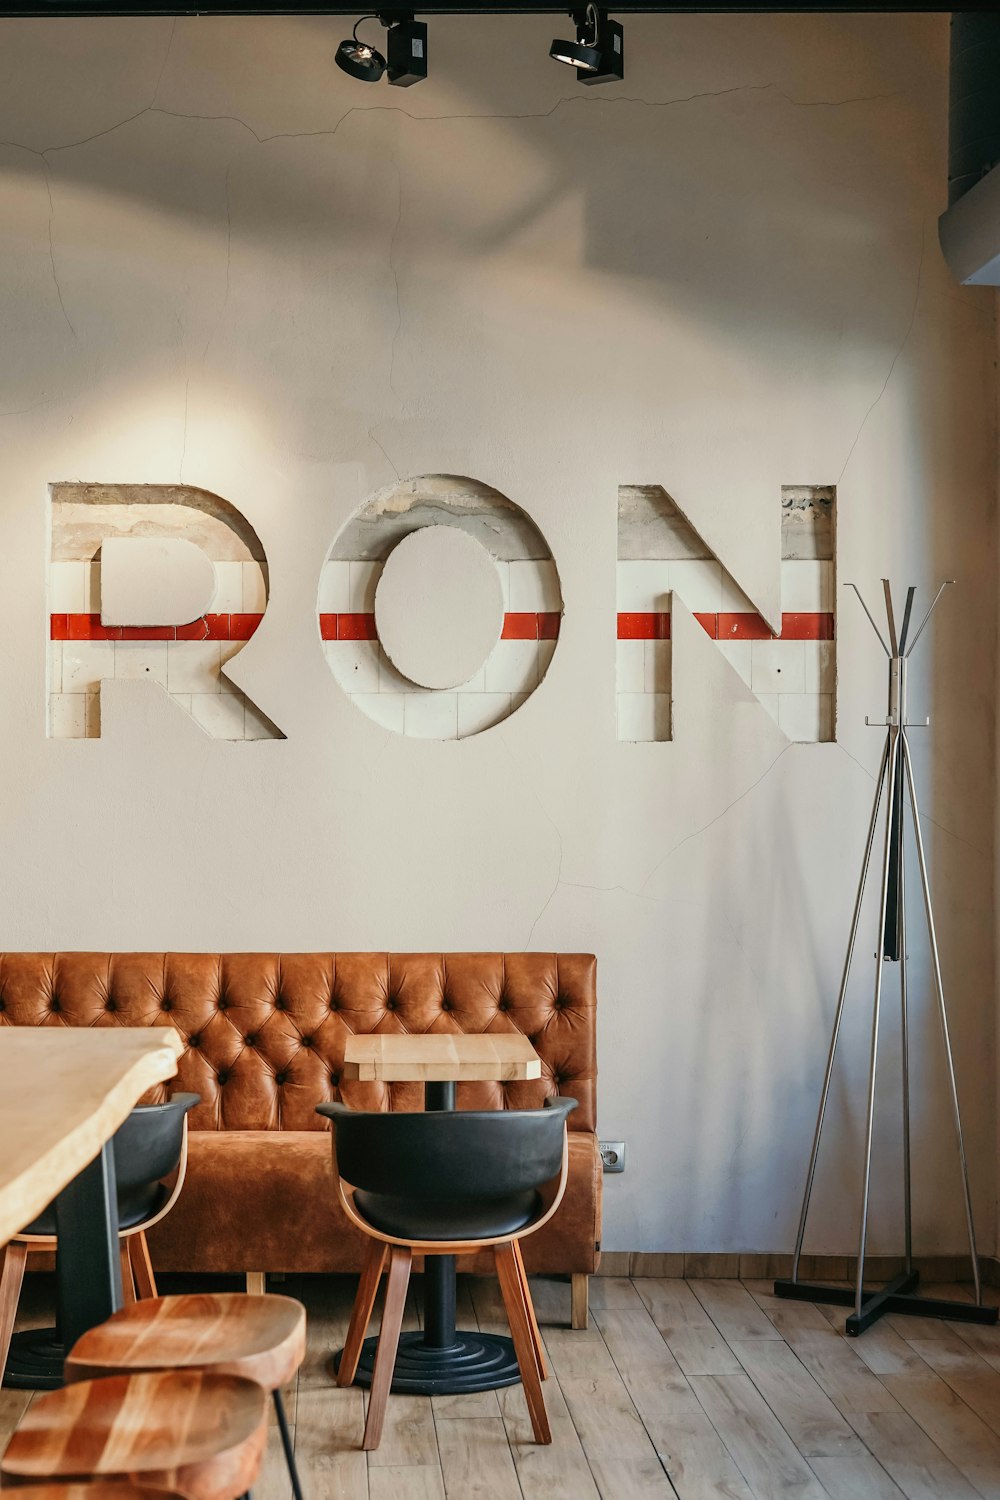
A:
[439, 607]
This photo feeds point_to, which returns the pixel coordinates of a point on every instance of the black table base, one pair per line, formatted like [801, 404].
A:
[35, 1361]
[472, 1362]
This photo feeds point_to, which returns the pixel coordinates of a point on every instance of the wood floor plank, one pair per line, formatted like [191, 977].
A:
[858, 1478]
[960, 1434]
[833, 1361]
[612, 1291]
[328, 1451]
[760, 1446]
[408, 1436]
[984, 1338]
[883, 1350]
[695, 1342]
[733, 1311]
[476, 1460]
[619, 1451]
[909, 1456]
[555, 1471]
[806, 1413]
[618, 1448]
[404, 1483]
[697, 1461]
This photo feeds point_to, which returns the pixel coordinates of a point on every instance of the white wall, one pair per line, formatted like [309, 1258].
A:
[225, 263]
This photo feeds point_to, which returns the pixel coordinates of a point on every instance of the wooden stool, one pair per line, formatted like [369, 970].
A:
[181, 1430]
[94, 1490]
[261, 1338]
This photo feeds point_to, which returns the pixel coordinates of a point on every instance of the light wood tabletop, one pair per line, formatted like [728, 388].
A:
[441, 1057]
[63, 1093]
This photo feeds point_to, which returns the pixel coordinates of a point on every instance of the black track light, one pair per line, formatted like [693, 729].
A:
[407, 51]
[598, 52]
[358, 58]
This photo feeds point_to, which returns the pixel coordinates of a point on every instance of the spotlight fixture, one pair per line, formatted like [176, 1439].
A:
[598, 52]
[358, 58]
[407, 50]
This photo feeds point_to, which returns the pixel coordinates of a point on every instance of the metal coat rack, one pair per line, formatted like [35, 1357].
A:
[895, 782]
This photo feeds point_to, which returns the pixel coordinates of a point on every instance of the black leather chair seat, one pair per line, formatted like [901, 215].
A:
[134, 1207]
[449, 1219]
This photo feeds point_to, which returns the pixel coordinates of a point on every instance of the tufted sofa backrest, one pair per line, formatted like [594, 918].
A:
[265, 1032]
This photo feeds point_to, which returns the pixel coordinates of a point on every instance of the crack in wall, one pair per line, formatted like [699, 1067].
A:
[374, 439]
[52, 254]
[543, 114]
[163, 64]
[896, 356]
[697, 832]
[395, 279]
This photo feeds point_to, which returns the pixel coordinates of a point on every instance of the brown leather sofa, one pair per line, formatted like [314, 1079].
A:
[265, 1038]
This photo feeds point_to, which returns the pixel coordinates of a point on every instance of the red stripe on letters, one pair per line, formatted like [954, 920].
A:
[644, 627]
[520, 627]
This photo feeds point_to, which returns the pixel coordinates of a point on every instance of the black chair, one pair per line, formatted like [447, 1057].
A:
[444, 1183]
[150, 1145]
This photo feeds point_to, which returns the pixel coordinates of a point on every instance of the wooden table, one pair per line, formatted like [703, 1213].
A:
[443, 1360]
[64, 1091]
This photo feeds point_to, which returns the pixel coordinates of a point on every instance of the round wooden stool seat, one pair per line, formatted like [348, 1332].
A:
[186, 1430]
[98, 1489]
[262, 1338]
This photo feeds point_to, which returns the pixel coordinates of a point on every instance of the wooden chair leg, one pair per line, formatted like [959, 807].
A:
[128, 1285]
[517, 1317]
[14, 1256]
[400, 1260]
[580, 1315]
[256, 1283]
[361, 1313]
[536, 1337]
[142, 1265]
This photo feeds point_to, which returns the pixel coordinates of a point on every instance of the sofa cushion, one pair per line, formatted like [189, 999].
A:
[256, 1202]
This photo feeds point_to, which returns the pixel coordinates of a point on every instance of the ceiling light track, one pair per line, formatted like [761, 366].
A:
[57, 8]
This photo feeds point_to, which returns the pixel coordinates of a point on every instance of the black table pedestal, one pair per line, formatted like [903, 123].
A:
[443, 1360]
[88, 1273]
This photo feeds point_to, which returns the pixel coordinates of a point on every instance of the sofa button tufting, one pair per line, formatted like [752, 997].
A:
[446, 1005]
[307, 1041]
[54, 1005]
[335, 1079]
[251, 1039]
[222, 1076]
[194, 1041]
[390, 1005]
[280, 1078]
[166, 1005]
[110, 1005]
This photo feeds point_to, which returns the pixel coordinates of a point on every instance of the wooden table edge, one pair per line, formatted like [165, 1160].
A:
[21, 1200]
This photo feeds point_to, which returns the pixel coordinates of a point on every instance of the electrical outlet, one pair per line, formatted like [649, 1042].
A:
[613, 1156]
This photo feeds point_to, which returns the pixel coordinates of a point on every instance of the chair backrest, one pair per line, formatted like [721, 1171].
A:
[450, 1154]
[147, 1147]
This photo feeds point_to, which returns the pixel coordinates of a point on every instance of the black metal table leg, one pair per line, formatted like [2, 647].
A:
[443, 1360]
[87, 1263]
[88, 1276]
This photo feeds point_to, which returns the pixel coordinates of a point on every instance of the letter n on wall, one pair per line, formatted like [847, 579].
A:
[661, 557]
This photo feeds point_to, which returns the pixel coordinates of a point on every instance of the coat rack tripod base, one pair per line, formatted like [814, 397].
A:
[897, 1296]
[897, 785]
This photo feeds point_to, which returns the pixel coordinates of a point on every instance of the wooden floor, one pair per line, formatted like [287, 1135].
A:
[694, 1388]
